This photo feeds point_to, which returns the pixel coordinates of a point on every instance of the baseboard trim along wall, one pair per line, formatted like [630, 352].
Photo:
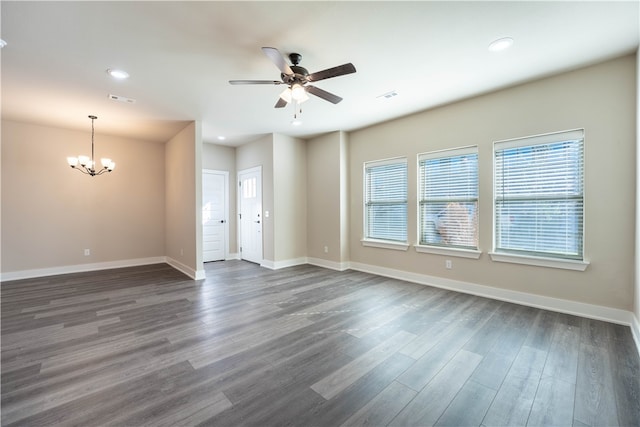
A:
[276, 265]
[591, 311]
[635, 331]
[193, 274]
[79, 268]
[332, 265]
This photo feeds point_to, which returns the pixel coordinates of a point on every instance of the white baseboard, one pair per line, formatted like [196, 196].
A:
[233, 255]
[591, 311]
[193, 274]
[332, 265]
[79, 268]
[635, 331]
[276, 265]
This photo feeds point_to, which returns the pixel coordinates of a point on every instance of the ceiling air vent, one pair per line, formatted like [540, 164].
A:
[388, 95]
[122, 99]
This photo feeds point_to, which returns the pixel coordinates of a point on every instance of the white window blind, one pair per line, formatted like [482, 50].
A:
[539, 190]
[449, 198]
[386, 200]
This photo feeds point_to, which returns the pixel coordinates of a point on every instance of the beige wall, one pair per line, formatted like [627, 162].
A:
[596, 98]
[51, 213]
[260, 153]
[637, 253]
[183, 195]
[223, 158]
[345, 196]
[290, 198]
[326, 174]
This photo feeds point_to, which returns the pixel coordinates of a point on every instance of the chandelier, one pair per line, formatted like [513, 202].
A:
[87, 165]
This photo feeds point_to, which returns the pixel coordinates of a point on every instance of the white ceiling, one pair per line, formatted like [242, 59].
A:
[181, 55]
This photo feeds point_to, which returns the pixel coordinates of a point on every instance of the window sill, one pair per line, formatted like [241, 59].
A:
[565, 264]
[385, 244]
[455, 252]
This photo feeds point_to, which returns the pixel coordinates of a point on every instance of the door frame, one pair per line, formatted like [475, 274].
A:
[257, 170]
[225, 174]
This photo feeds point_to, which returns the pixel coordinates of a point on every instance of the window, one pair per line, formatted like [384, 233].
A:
[385, 195]
[449, 198]
[539, 190]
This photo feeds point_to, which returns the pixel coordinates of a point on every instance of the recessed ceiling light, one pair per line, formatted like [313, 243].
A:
[501, 44]
[118, 74]
[296, 122]
[2, 43]
[222, 138]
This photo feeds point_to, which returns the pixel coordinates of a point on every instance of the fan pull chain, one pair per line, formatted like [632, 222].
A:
[297, 110]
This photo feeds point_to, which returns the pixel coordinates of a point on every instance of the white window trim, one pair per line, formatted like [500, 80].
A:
[377, 243]
[449, 152]
[447, 250]
[565, 264]
[455, 252]
[385, 244]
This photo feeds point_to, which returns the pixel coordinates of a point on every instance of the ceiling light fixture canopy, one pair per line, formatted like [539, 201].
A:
[87, 165]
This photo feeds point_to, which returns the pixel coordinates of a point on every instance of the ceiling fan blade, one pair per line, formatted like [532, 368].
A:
[340, 70]
[255, 82]
[276, 57]
[281, 103]
[327, 96]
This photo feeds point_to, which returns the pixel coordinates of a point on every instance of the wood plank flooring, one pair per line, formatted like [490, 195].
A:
[302, 346]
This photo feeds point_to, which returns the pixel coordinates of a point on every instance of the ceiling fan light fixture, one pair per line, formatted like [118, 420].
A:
[298, 93]
[286, 95]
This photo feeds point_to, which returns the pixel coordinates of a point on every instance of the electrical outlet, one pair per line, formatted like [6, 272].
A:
[87, 252]
[181, 252]
[326, 249]
[448, 264]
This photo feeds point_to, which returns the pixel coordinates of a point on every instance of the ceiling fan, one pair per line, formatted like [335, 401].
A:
[297, 78]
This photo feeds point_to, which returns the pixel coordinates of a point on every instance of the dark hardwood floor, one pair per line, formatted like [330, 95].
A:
[302, 346]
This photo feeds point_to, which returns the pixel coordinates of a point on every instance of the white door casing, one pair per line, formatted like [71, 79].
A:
[250, 214]
[215, 214]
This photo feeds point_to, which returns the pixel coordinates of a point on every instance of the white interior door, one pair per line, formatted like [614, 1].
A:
[215, 211]
[250, 201]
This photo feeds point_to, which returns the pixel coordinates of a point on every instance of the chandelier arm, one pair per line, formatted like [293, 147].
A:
[82, 169]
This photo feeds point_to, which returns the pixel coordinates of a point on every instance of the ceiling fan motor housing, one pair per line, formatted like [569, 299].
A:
[299, 75]
[295, 58]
